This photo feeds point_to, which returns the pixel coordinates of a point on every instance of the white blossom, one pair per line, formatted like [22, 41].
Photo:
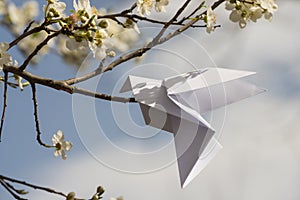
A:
[121, 39]
[99, 52]
[61, 146]
[160, 5]
[85, 13]
[244, 11]
[111, 54]
[236, 16]
[55, 7]
[3, 9]
[82, 5]
[86, 6]
[18, 79]
[72, 52]
[229, 6]
[98, 46]
[144, 7]
[210, 20]
[255, 13]
[20, 17]
[5, 58]
[269, 6]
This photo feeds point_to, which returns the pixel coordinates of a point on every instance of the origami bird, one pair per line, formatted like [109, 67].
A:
[176, 104]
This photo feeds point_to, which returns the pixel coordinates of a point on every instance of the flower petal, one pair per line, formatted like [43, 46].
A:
[67, 146]
[63, 155]
[56, 153]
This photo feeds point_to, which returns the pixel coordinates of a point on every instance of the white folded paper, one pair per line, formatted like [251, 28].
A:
[175, 104]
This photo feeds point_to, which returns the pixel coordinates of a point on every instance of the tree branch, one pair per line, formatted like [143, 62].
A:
[36, 187]
[4, 102]
[62, 85]
[36, 118]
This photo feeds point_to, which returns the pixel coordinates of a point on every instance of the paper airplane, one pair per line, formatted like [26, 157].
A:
[175, 104]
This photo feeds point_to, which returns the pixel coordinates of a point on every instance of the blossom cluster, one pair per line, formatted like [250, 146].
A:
[146, 6]
[244, 11]
[81, 26]
[85, 29]
[6, 59]
[210, 20]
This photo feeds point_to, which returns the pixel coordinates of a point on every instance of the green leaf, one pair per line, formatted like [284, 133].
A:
[202, 4]
[22, 192]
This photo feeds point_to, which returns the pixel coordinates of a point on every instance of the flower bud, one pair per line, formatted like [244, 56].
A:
[100, 190]
[71, 196]
[103, 24]
[111, 54]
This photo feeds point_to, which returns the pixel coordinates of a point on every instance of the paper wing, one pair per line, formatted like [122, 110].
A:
[212, 88]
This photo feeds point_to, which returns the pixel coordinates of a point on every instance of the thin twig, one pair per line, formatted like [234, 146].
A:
[4, 102]
[135, 17]
[36, 118]
[85, 77]
[13, 85]
[37, 49]
[26, 34]
[23, 192]
[173, 19]
[119, 22]
[12, 187]
[28, 27]
[4, 184]
[102, 96]
[36, 187]
[192, 13]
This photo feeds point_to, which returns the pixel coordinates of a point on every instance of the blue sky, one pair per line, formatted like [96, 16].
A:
[260, 136]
